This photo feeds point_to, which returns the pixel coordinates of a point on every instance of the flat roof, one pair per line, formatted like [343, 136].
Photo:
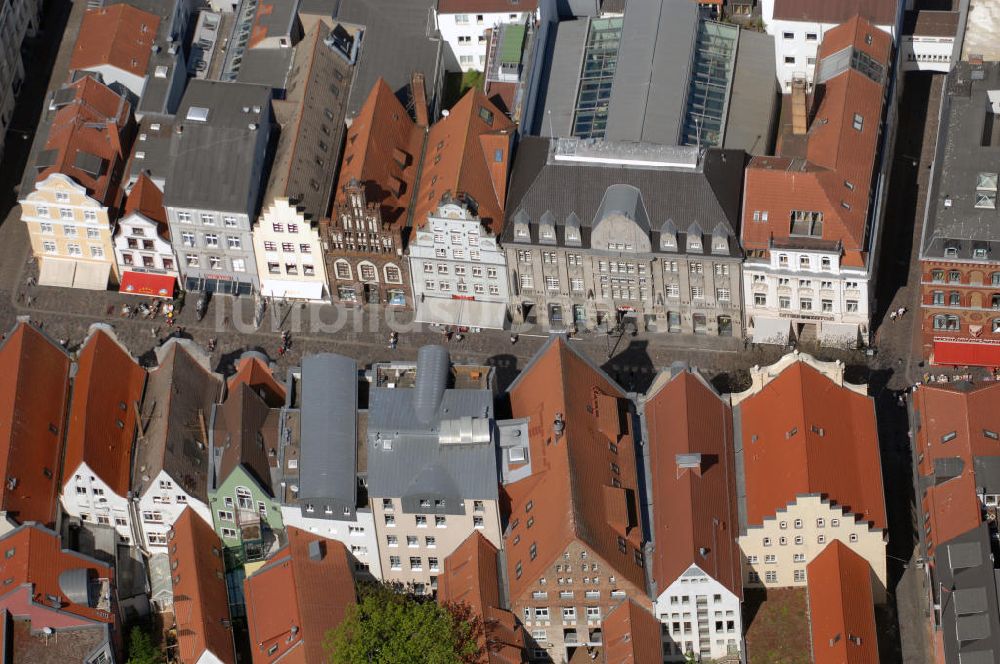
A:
[962, 214]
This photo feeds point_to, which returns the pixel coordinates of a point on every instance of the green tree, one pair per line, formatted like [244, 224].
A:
[141, 649]
[388, 626]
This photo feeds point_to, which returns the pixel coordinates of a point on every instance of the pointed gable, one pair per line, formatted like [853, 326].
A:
[467, 154]
[33, 405]
[107, 391]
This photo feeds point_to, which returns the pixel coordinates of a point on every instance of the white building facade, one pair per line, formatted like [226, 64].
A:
[796, 287]
[459, 273]
[699, 615]
[89, 498]
[358, 536]
[797, 41]
[140, 249]
[159, 507]
[289, 254]
[463, 27]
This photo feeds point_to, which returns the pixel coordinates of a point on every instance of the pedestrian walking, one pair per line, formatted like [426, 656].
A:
[892, 315]
[513, 339]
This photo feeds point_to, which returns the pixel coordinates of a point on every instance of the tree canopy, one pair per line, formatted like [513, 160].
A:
[141, 649]
[391, 627]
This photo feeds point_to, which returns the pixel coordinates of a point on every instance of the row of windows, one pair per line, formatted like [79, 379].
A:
[416, 563]
[955, 277]
[805, 304]
[457, 254]
[66, 214]
[785, 282]
[460, 287]
[288, 247]
[799, 540]
[569, 613]
[412, 541]
[771, 576]
[367, 272]
[955, 299]
[430, 267]
[73, 249]
[228, 221]
[211, 240]
[214, 262]
[48, 228]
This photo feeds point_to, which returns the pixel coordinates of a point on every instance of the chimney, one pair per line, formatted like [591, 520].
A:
[800, 120]
[419, 96]
[316, 550]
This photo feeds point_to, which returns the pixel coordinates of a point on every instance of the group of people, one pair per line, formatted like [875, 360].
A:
[898, 313]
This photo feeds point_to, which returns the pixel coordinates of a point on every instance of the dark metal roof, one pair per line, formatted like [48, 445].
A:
[970, 612]
[328, 434]
[708, 194]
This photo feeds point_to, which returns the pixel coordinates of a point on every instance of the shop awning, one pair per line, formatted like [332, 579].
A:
[771, 330]
[462, 313]
[92, 276]
[966, 352]
[144, 283]
[55, 272]
[292, 290]
[843, 335]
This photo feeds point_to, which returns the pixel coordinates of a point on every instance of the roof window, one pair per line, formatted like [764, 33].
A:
[950, 436]
[197, 114]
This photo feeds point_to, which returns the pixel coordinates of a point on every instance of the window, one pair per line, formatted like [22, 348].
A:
[74, 250]
[805, 304]
[788, 35]
[954, 277]
[394, 563]
[390, 520]
[42, 210]
[800, 575]
[784, 302]
[229, 221]
[234, 242]
[207, 220]
[859, 121]
[211, 240]
[789, 59]
[760, 300]
[96, 252]
[826, 305]
[215, 262]
[852, 306]
[184, 217]
[771, 577]
[811, 36]
[697, 293]
[411, 541]
[66, 213]
[439, 522]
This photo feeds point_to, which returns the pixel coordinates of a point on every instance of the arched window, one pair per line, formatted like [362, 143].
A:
[244, 499]
[343, 270]
[367, 272]
[392, 274]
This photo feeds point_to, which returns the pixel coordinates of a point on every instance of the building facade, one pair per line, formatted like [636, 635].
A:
[464, 26]
[71, 197]
[811, 215]
[570, 450]
[459, 273]
[598, 233]
[289, 254]
[811, 471]
[697, 582]
[221, 131]
[432, 473]
[364, 259]
[145, 256]
[960, 246]
[322, 473]
[18, 19]
[798, 32]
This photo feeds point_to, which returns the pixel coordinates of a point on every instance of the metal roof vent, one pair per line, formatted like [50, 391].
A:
[692, 460]
[432, 379]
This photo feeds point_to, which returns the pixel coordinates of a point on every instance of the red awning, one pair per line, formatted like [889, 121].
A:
[143, 283]
[967, 353]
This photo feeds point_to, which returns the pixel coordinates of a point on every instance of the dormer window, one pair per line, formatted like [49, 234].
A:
[951, 250]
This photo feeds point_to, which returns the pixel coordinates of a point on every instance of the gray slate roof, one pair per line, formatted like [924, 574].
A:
[398, 40]
[180, 394]
[709, 195]
[753, 98]
[649, 90]
[214, 163]
[966, 123]
[328, 429]
[411, 419]
[969, 606]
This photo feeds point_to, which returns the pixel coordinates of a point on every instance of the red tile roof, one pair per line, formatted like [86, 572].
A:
[118, 35]
[34, 557]
[804, 434]
[461, 158]
[253, 371]
[836, 153]
[295, 592]
[201, 601]
[879, 12]
[632, 636]
[146, 199]
[33, 405]
[471, 577]
[382, 152]
[955, 425]
[570, 494]
[107, 391]
[694, 509]
[841, 607]
[95, 123]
